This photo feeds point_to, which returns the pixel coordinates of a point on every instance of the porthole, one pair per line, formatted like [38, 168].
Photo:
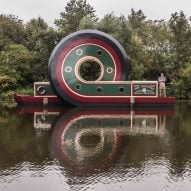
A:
[68, 69]
[109, 70]
[121, 89]
[41, 90]
[78, 86]
[79, 52]
[99, 52]
[99, 89]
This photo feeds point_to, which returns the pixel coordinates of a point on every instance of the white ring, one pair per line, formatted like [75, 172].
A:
[79, 52]
[80, 61]
[68, 69]
[109, 70]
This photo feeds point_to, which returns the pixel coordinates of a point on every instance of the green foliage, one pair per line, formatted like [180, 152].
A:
[16, 63]
[181, 40]
[152, 46]
[90, 70]
[7, 99]
[7, 83]
[75, 12]
[183, 85]
[41, 40]
[117, 27]
[87, 23]
[109, 24]
[26, 91]
[11, 31]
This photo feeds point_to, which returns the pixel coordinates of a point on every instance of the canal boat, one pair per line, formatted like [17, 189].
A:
[90, 68]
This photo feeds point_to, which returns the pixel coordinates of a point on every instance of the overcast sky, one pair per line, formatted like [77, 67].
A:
[50, 10]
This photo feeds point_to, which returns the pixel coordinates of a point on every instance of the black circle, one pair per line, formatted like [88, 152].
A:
[121, 89]
[99, 89]
[99, 52]
[78, 86]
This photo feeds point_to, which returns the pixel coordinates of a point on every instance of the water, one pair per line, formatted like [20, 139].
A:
[56, 149]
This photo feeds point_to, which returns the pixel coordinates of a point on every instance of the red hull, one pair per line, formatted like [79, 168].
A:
[154, 102]
[56, 101]
[38, 101]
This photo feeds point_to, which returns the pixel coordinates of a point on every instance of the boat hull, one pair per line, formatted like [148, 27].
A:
[142, 102]
[27, 100]
[160, 102]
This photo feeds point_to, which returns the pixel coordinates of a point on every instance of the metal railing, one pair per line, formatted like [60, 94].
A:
[170, 90]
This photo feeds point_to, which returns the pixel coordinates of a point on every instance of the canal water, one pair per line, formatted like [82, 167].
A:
[74, 149]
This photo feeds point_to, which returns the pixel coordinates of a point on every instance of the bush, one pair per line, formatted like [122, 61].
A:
[7, 83]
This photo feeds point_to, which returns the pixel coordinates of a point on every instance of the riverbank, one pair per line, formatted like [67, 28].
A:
[7, 98]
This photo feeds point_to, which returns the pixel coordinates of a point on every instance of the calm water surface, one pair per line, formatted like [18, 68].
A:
[56, 149]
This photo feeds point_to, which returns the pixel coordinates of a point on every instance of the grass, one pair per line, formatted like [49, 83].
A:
[7, 98]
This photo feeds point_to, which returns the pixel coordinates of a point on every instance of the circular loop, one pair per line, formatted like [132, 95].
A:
[89, 69]
[76, 46]
[84, 147]
[41, 90]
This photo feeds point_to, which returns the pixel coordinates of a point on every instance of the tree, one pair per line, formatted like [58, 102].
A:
[11, 31]
[41, 40]
[150, 49]
[75, 12]
[16, 65]
[183, 85]
[109, 24]
[181, 39]
[136, 24]
[157, 49]
[87, 23]
[181, 43]
[33, 28]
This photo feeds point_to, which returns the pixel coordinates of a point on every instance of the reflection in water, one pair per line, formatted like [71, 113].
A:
[43, 120]
[94, 140]
[95, 149]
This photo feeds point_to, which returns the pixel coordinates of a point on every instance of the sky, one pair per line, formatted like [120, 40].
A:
[50, 10]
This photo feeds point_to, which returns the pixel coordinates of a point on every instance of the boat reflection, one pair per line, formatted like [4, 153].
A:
[92, 139]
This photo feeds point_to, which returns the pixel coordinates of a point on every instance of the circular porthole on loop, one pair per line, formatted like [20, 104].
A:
[121, 89]
[68, 69]
[79, 52]
[99, 52]
[78, 86]
[89, 69]
[109, 70]
[99, 89]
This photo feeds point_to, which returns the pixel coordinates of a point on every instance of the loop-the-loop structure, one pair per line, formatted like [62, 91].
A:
[88, 67]
[91, 68]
